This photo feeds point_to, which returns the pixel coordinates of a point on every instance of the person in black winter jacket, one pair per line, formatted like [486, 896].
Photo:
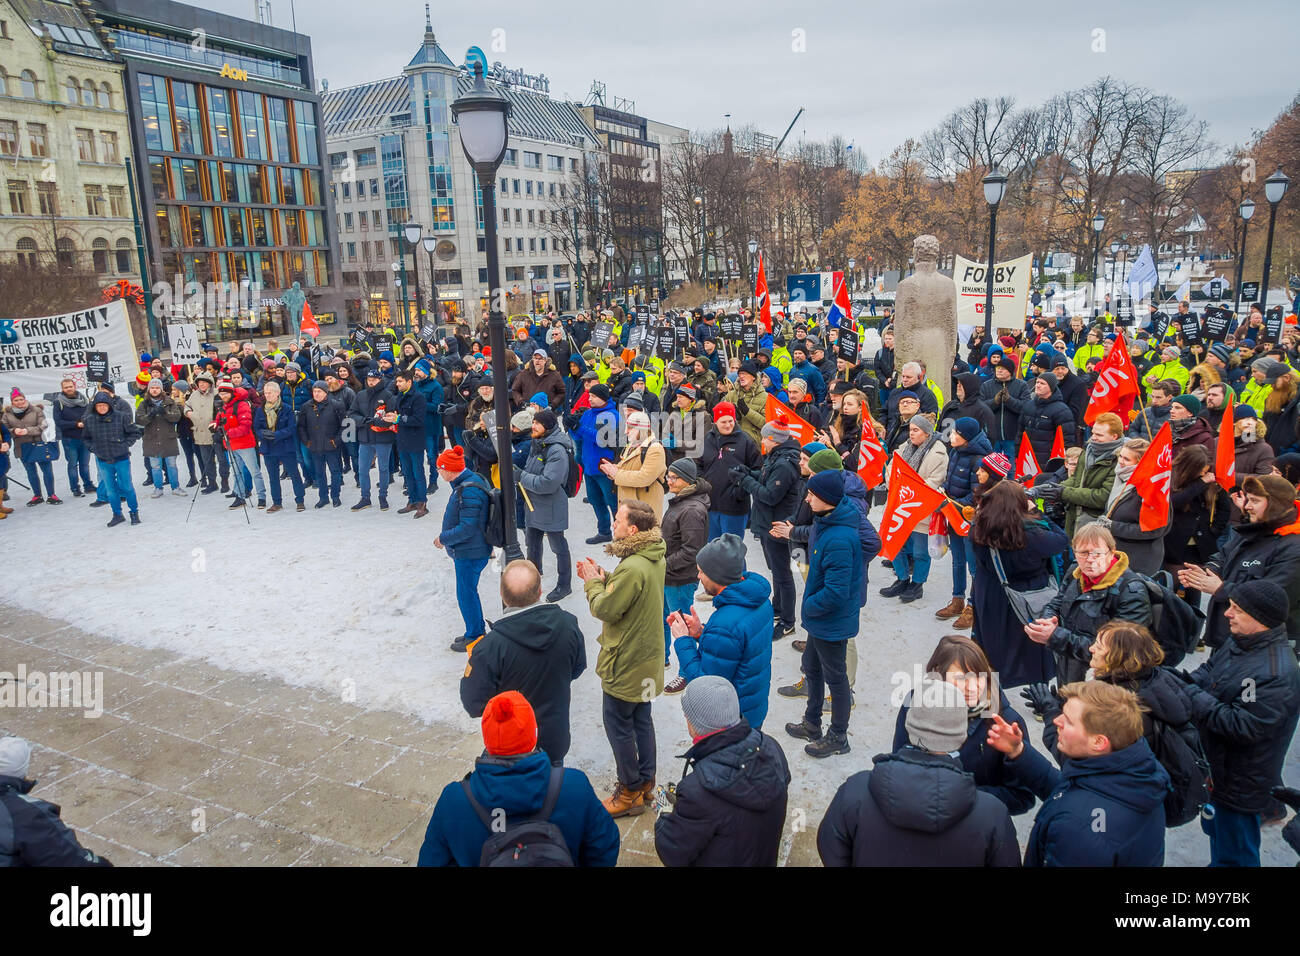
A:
[967, 403]
[31, 833]
[918, 806]
[1005, 395]
[961, 662]
[1043, 414]
[375, 435]
[320, 428]
[775, 490]
[729, 808]
[1074, 391]
[534, 648]
[726, 446]
[1244, 701]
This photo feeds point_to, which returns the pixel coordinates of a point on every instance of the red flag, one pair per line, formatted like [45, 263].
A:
[1225, 456]
[1117, 383]
[1058, 444]
[910, 502]
[776, 410]
[1150, 479]
[956, 520]
[308, 325]
[1026, 460]
[871, 456]
[761, 297]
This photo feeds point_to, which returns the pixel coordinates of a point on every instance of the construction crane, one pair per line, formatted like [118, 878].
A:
[787, 132]
[776, 156]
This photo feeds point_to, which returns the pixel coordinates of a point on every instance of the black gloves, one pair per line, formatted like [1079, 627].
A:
[738, 472]
[742, 407]
[1042, 699]
[519, 473]
[268, 434]
[1048, 492]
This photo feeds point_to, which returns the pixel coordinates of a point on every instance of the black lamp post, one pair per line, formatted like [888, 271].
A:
[1246, 210]
[1275, 188]
[609, 268]
[413, 231]
[704, 249]
[995, 186]
[753, 268]
[431, 243]
[1098, 224]
[481, 115]
[1114, 258]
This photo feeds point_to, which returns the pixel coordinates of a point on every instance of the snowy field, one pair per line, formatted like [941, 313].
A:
[334, 600]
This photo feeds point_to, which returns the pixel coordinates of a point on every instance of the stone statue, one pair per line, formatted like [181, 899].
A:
[925, 317]
[294, 299]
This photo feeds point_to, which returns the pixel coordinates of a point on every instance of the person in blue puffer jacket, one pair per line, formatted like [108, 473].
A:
[735, 644]
[969, 446]
[774, 384]
[597, 438]
[464, 524]
[276, 428]
[427, 384]
[804, 369]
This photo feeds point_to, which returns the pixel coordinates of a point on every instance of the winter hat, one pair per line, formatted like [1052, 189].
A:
[329, 372]
[292, 367]
[841, 387]
[967, 428]
[522, 421]
[453, 460]
[937, 718]
[1275, 371]
[903, 393]
[724, 410]
[677, 367]
[1279, 491]
[1007, 341]
[104, 398]
[145, 358]
[542, 350]
[509, 725]
[777, 430]
[1242, 411]
[546, 418]
[723, 559]
[590, 376]
[320, 383]
[997, 464]
[639, 420]
[539, 399]
[710, 704]
[1189, 402]
[688, 390]
[1170, 352]
[638, 377]
[600, 390]
[1060, 361]
[1220, 352]
[225, 385]
[921, 422]
[685, 469]
[268, 363]
[372, 371]
[142, 380]
[1265, 601]
[825, 460]
[634, 402]
[812, 448]
[749, 368]
[16, 756]
[589, 356]
[181, 384]
[827, 485]
[386, 355]
[607, 356]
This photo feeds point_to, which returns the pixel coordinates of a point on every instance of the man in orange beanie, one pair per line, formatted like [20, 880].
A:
[515, 809]
[464, 537]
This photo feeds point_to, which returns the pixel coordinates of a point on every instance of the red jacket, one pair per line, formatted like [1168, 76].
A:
[236, 420]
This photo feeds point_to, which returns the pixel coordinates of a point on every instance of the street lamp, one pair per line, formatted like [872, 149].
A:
[995, 187]
[704, 254]
[1098, 224]
[1275, 188]
[413, 231]
[1245, 210]
[399, 279]
[852, 275]
[1114, 258]
[482, 116]
[430, 243]
[609, 268]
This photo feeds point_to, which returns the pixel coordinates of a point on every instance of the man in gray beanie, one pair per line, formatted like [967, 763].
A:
[685, 529]
[731, 811]
[917, 806]
[31, 833]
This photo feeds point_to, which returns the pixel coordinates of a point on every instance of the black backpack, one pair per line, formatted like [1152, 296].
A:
[572, 478]
[1179, 751]
[532, 841]
[1175, 625]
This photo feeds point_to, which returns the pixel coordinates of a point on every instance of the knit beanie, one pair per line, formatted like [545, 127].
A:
[600, 390]
[1189, 402]
[522, 421]
[686, 470]
[453, 460]
[812, 448]
[1220, 352]
[1265, 601]
[827, 485]
[777, 430]
[320, 383]
[825, 460]
[723, 559]
[540, 400]
[710, 704]
[639, 420]
[546, 418]
[937, 718]
[16, 755]
[967, 428]
[923, 423]
[509, 725]
[997, 464]
[724, 410]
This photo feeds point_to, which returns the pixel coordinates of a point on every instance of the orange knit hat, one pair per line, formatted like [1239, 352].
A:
[453, 459]
[509, 725]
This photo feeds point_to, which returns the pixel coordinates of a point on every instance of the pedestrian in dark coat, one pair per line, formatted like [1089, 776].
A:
[31, 833]
[1199, 509]
[775, 492]
[535, 648]
[511, 780]
[411, 421]
[1005, 394]
[542, 478]
[730, 805]
[1043, 414]
[726, 446]
[917, 806]
[968, 403]
[464, 536]
[1074, 392]
[320, 428]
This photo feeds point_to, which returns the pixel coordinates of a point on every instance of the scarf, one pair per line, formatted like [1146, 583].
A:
[1090, 583]
[915, 454]
[1120, 486]
[1179, 425]
[1098, 450]
[272, 412]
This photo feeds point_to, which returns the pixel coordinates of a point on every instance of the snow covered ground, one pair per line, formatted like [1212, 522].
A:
[341, 601]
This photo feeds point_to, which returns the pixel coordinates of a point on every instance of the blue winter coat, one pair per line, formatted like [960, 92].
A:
[411, 412]
[284, 440]
[834, 586]
[465, 517]
[736, 644]
[811, 374]
[296, 395]
[1128, 786]
[431, 390]
[517, 786]
[594, 421]
[775, 384]
[962, 462]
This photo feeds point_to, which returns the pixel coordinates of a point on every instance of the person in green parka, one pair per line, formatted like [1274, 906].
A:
[1085, 492]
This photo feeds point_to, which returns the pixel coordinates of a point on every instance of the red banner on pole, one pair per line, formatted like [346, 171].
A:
[910, 502]
[1117, 384]
[1150, 479]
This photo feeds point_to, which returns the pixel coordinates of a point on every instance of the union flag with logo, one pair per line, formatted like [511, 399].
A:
[910, 502]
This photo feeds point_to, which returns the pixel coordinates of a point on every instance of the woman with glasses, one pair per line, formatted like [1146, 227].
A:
[1099, 588]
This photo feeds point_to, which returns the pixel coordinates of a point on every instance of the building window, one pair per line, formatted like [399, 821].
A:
[251, 122]
[551, 190]
[573, 165]
[73, 91]
[374, 188]
[38, 140]
[27, 253]
[117, 201]
[531, 221]
[28, 82]
[519, 217]
[505, 216]
[363, 221]
[8, 138]
[86, 145]
[482, 244]
[519, 244]
[447, 276]
[528, 187]
[512, 157]
[222, 127]
[99, 255]
[532, 245]
[108, 141]
[543, 243]
[88, 93]
[105, 97]
[532, 160]
[123, 255]
[64, 250]
[19, 204]
[94, 201]
[539, 272]
[47, 198]
[366, 157]
[516, 186]
[347, 190]
[375, 220]
[554, 164]
[352, 252]
[347, 222]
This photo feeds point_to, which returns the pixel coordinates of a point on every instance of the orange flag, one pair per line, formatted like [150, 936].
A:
[1117, 383]
[956, 520]
[1026, 460]
[1150, 479]
[910, 502]
[1225, 456]
[777, 410]
[871, 456]
[1058, 444]
[309, 326]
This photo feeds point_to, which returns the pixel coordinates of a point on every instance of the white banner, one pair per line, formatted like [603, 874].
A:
[37, 354]
[1010, 291]
[184, 340]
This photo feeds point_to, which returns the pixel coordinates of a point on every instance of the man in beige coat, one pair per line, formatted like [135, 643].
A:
[639, 473]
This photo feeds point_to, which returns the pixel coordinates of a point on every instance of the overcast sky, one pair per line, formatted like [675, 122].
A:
[873, 72]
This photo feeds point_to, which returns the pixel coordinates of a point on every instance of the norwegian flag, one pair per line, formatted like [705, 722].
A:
[1026, 461]
[1225, 456]
[763, 299]
[840, 314]
[1117, 384]
[871, 456]
[1150, 479]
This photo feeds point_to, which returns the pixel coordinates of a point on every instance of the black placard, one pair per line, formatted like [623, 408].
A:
[427, 331]
[1189, 324]
[1273, 326]
[749, 337]
[730, 327]
[848, 345]
[665, 338]
[96, 366]
[681, 333]
[1124, 311]
[1250, 292]
[600, 334]
[1215, 290]
[1160, 326]
[1217, 322]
